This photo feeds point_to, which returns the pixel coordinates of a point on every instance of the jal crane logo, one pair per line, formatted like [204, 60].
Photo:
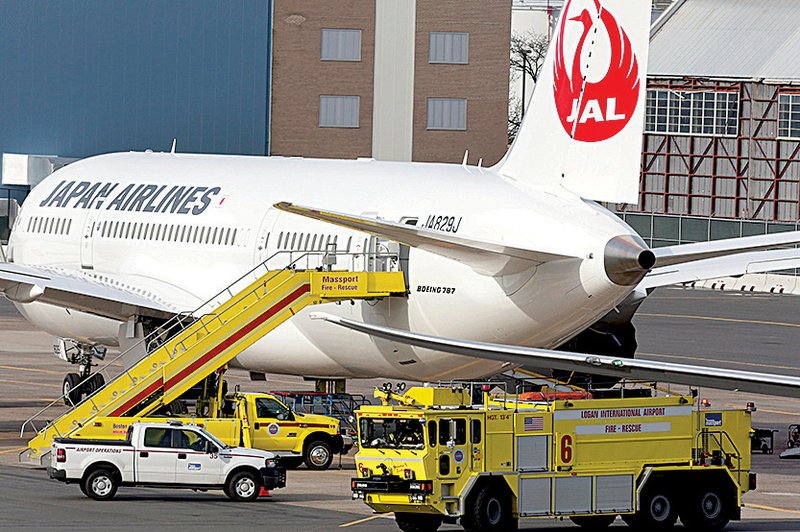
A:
[593, 110]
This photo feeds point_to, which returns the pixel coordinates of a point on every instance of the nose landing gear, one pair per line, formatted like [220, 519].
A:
[77, 386]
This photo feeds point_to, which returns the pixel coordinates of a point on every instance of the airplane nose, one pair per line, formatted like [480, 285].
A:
[627, 259]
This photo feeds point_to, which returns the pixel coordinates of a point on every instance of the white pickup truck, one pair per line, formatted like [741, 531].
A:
[165, 455]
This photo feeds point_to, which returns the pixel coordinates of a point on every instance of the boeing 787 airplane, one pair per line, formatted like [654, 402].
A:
[503, 264]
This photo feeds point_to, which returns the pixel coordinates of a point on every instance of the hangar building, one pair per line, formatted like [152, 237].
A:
[390, 79]
[721, 151]
[386, 78]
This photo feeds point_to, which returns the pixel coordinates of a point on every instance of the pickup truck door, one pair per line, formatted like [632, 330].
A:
[194, 465]
[274, 428]
[155, 458]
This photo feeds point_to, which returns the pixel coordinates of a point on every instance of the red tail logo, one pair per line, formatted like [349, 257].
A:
[591, 111]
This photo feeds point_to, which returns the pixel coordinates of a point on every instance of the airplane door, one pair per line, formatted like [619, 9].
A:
[403, 251]
[87, 240]
[263, 252]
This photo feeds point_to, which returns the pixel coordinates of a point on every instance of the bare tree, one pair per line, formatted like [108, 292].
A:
[534, 45]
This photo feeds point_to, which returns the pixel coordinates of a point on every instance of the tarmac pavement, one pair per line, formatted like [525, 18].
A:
[742, 331]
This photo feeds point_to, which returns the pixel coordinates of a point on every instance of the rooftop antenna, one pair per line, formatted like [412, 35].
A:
[174, 145]
[466, 156]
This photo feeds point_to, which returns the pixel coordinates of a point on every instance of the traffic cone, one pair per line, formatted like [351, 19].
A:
[264, 492]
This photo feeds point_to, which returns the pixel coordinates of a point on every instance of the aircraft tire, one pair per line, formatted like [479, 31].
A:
[69, 388]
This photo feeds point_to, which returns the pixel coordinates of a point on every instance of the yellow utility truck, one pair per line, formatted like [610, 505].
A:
[257, 420]
[430, 456]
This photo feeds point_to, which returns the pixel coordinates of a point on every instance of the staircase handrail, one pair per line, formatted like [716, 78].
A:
[178, 320]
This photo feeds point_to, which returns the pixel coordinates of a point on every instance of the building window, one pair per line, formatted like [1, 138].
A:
[448, 47]
[447, 113]
[692, 112]
[789, 115]
[341, 45]
[338, 111]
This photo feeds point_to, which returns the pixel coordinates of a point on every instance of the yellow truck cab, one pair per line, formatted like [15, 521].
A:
[295, 437]
[430, 456]
[257, 420]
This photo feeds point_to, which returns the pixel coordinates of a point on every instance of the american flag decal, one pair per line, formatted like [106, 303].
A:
[534, 423]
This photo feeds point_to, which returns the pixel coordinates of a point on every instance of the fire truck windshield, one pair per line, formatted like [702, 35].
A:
[378, 433]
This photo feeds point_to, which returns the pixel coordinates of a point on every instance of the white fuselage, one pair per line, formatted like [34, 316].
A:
[223, 224]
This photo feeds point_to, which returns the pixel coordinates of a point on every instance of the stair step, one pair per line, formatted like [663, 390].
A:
[183, 348]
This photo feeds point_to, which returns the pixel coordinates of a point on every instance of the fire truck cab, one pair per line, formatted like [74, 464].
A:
[430, 456]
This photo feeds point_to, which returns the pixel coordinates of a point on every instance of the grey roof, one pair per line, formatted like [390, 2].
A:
[746, 39]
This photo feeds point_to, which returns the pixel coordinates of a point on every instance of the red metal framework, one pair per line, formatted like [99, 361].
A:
[753, 175]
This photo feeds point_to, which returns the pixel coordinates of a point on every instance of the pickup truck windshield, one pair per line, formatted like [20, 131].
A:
[377, 433]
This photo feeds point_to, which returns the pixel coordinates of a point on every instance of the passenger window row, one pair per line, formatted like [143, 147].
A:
[49, 225]
[291, 241]
[191, 234]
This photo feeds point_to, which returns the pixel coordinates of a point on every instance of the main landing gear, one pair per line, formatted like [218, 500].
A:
[82, 384]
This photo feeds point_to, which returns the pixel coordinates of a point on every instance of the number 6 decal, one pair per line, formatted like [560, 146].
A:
[566, 449]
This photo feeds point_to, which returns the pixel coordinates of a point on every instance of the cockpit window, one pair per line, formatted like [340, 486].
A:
[377, 433]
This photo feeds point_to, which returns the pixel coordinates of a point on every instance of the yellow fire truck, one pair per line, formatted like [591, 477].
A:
[430, 457]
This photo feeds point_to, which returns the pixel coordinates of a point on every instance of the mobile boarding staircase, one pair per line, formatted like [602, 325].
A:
[192, 346]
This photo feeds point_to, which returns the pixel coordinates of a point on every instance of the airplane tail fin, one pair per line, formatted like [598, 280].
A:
[583, 128]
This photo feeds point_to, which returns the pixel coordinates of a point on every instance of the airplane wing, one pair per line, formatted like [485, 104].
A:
[684, 253]
[727, 266]
[491, 258]
[647, 370]
[78, 291]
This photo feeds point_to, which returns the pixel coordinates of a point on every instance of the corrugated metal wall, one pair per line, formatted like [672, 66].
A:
[751, 175]
[81, 77]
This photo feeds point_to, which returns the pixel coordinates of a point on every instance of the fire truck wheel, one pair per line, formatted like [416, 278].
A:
[418, 522]
[594, 522]
[705, 509]
[490, 512]
[71, 392]
[657, 510]
[318, 455]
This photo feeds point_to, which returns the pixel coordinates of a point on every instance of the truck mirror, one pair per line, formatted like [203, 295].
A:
[210, 447]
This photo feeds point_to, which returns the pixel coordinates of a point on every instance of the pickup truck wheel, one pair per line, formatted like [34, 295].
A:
[408, 522]
[100, 484]
[70, 390]
[318, 455]
[243, 486]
